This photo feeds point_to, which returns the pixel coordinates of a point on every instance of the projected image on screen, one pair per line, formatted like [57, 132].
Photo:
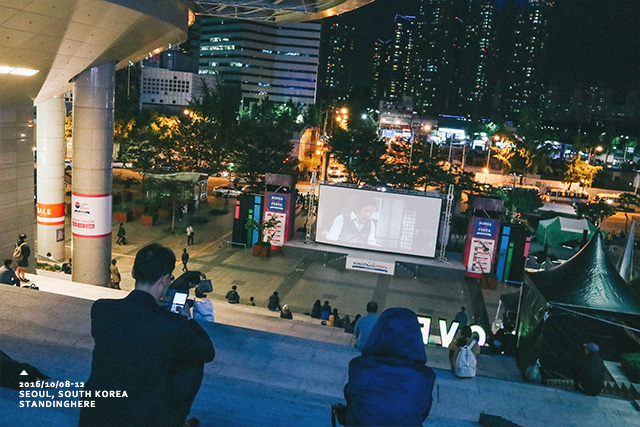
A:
[388, 222]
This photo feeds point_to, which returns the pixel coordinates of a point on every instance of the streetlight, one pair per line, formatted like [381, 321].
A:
[598, 149]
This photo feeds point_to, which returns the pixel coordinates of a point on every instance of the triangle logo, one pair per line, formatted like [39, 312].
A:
[23, 372]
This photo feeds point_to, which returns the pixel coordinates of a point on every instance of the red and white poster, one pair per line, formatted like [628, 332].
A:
[50, 214]
[91, 215]
[276, 233]
[480, 256]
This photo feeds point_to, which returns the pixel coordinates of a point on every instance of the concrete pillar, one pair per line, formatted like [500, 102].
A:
[50, 177]
[17, 212]
[93, 97]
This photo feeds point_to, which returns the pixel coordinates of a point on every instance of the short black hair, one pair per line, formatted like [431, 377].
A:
[372, 307]
[152, 262]
[113, 261]
[7, 263]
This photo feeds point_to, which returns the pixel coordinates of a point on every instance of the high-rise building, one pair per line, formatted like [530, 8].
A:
[336, 58]
[381, 69]
[524, 81]
[402, 55]
[278, 61]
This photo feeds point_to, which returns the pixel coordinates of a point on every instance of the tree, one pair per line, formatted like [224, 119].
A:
[595, 212]
[360, 150]
[263, 141]
[580, 171]
[626, 200]
[173, 192]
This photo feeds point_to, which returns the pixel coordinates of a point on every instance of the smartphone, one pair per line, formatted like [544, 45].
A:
[178, 301]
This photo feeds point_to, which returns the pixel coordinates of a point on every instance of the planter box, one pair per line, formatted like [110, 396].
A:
[123, 216]
[138, 210]
[164, 214]
[261, 251]
[148, 220]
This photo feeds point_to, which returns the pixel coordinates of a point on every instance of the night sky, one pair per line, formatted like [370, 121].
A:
[590, 41]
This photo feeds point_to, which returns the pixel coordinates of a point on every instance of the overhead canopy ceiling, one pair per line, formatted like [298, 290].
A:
[276, 10]
[60, 39]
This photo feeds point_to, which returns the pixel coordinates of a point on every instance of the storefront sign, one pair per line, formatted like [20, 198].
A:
[484, 228]
[371, 266]
[91, 215]
[50, 214]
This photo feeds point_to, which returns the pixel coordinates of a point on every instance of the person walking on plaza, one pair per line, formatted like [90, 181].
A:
[365, 325]
[185, 259]
[115, 275]
[461, 317]
[232, 296]
[590, 376]
[21, 254]
[155, 356]
[7, 275]
[274, 302]
[122, 240]
[190, 234]
[390, 384]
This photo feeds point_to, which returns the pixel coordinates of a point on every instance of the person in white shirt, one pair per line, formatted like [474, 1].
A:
[357, 227]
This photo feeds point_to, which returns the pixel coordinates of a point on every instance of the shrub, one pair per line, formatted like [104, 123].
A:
[173, 231]
[630, 365]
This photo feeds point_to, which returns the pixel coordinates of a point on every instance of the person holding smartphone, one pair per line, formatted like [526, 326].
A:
[144, 350]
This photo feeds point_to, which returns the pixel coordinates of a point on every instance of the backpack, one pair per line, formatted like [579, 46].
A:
[17, 252]
[466, 362]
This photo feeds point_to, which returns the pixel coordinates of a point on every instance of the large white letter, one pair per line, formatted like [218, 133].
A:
[447, 337]
[482, 335]
[425, 324]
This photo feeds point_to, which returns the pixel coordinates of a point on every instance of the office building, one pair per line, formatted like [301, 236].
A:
[278, 61]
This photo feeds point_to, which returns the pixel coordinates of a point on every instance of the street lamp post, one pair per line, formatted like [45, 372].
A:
[598, 149]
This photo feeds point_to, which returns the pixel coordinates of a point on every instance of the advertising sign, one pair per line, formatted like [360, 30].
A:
[91, 215]
[50, 214]
[379, 267]
[481, 247]
[480, 256]
[277, 232]
[277, 203]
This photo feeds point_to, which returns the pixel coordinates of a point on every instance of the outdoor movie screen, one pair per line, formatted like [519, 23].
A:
[386, 222]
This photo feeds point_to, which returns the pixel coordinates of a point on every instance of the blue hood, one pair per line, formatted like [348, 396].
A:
[397, 334]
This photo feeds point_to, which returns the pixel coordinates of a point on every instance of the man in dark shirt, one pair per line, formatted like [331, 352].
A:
[7, 275]
[590, 378]
[232, 296]
[148, 360]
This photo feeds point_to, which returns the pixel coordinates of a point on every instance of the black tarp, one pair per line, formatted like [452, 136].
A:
[582, 300]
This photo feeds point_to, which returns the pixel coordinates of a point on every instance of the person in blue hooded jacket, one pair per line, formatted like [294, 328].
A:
[390, 384]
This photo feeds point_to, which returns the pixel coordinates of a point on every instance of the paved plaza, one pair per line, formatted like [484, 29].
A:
[274, 372]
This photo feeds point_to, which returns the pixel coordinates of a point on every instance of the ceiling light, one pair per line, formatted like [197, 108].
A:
[17, 71]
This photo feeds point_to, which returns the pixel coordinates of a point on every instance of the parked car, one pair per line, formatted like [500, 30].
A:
[227, 191]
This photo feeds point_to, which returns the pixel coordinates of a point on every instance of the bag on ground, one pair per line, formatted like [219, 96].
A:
[466, 362]
[532, 373]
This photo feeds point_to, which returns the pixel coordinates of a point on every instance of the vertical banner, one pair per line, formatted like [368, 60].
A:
[91, 215]
[277, 205]
[480, 250]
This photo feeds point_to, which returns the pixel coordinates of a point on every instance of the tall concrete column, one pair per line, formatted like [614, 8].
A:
[50, 177]
[93, 98]
[17, 213]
